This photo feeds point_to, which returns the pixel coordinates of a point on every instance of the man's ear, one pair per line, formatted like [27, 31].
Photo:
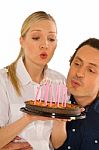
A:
[98, 94]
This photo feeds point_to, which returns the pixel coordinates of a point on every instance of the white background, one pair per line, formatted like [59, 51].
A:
[76, 20]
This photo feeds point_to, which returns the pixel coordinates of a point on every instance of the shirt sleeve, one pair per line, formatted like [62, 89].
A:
[73, 137]
[4, 105]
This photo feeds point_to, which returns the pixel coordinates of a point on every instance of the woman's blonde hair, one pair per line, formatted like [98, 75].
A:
[34, 17]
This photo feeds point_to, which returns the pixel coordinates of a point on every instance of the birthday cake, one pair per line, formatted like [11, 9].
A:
[60, 109]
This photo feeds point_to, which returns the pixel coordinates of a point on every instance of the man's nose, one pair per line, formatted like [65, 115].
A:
[81, 72]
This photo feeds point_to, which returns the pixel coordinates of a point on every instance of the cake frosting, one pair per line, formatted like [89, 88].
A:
[40, 106]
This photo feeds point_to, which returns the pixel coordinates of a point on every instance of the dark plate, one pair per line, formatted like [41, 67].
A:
[53, 115]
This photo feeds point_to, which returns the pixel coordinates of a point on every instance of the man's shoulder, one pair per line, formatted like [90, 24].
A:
[96, 105]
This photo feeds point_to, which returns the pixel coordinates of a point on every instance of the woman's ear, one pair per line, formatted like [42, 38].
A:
[21, 41]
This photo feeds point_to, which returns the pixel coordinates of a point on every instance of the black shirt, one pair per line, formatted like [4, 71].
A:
[83, 134]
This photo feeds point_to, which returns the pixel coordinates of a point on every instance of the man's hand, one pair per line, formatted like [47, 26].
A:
[17, 144]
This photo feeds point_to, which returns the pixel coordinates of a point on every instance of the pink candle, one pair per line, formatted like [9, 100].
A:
[51, 95]
[65, 96]
[56, 99]
[58, 94]
[42, 92]
[47, 91]
[36, 98]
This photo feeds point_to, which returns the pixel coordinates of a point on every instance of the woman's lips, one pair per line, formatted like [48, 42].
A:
[43, 55]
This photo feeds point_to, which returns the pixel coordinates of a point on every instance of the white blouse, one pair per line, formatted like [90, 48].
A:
[36, 133]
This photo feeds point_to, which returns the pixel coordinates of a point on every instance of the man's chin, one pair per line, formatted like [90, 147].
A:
[75, 93]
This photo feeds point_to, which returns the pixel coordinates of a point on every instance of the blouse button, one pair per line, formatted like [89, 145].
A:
[69, 147]
[73, 130]
[96, 141]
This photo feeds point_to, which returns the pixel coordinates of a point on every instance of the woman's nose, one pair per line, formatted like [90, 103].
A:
[44, 45]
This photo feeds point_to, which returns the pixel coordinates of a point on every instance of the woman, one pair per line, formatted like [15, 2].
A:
[20, 80]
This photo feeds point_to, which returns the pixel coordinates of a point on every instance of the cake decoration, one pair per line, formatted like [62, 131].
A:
[52, 100]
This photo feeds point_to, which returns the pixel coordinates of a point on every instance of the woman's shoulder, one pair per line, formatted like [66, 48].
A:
[3, 72]
[55, 74]
[3, 76]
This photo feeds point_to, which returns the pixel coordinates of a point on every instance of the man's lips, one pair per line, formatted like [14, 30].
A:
[75, 83]
[43, 55]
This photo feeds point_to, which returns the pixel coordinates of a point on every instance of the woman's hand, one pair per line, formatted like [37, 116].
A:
[37, 117]
[18, 144]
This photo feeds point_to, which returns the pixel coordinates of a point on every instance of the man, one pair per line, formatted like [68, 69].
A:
[83, 84]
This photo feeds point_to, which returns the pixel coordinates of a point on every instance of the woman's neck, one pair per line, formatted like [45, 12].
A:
[35, 71]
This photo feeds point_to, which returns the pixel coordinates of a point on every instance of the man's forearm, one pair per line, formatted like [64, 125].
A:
[59, 133]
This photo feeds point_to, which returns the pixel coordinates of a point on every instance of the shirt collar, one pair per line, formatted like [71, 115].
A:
[24, 76]
[94, 105]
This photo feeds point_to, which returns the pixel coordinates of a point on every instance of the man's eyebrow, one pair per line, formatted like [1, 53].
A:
[93, 64]
[78, 58]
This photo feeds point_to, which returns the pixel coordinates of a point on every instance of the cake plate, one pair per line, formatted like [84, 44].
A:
[53, 115]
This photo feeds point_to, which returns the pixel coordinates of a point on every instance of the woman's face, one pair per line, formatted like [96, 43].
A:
[39, 42]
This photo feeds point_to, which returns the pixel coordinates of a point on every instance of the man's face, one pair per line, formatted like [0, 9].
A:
[83, 76]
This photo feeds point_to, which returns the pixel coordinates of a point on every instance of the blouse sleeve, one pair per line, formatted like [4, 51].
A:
[4, 104]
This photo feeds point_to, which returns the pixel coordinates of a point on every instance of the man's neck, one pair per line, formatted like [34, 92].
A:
[84, 100]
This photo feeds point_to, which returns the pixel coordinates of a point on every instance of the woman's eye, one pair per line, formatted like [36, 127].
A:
[35, 38]
[51, 39]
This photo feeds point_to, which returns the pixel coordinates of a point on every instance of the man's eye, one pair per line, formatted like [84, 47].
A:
[91, 70]
[77, 64]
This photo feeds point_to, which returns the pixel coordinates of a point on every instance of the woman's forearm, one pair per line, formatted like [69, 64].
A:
[59, 133]
[9, 132]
